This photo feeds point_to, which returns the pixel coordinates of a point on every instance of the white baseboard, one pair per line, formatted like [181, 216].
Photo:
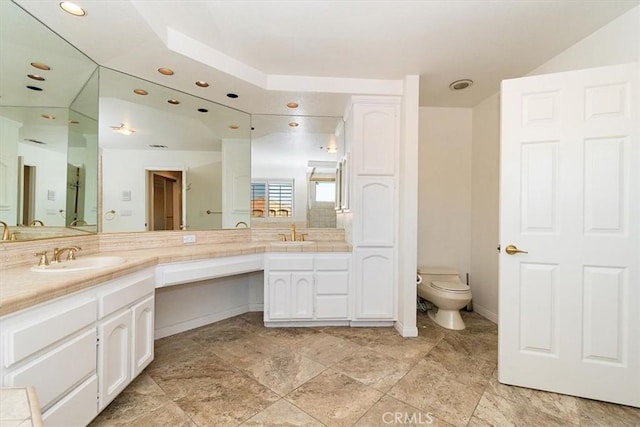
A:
[302, 324]
[405, 332]
[370, 323]
[485, 313]
[200, 321]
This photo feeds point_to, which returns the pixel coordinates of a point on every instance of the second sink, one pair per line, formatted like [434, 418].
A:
[80, 264]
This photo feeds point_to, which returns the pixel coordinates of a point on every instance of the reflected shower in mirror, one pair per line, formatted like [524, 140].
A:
[170, 160]
[293, 170]
[42, 76]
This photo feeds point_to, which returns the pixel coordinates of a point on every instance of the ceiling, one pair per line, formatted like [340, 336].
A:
[318, 52]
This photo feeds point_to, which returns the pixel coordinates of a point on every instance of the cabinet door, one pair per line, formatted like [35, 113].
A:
[279, 296]
[375, 286]
[114, 356]
[376, 137]
[302, 295]
[142, 336]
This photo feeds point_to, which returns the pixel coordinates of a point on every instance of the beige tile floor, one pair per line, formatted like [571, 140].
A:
[238, 373]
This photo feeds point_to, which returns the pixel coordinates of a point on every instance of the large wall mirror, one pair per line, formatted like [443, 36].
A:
[170, 161]
[48, 131]
[293, 170]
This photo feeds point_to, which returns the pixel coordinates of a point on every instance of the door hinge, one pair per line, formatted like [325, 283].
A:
[499, 247]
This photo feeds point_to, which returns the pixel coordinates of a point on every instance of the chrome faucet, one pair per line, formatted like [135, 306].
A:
[71, 253]
[242, 223]
[5, 231]
[36, 222]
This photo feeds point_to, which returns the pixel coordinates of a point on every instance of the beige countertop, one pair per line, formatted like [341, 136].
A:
[22, 288]
[19, 407]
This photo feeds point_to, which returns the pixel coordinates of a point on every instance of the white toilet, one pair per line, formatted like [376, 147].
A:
[442, 287]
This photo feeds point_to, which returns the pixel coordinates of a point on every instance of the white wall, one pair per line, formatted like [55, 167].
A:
[51, 182]
[485, 173]
[9, 137]
[444, 188]
[615, 43]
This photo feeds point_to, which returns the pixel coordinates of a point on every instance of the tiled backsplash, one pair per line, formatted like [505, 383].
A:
[14, 254]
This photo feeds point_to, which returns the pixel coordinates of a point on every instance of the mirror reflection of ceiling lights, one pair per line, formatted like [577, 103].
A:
[123, 129]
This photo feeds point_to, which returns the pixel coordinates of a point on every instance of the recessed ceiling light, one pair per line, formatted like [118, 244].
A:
[72, 8]
[48, 116]
[202, 83]
[166, 71]
[40, 66]
[294, 124]
[292, 105]
[203, 110]
[232, 95]
[140, 92]
[460, 84]
[36, 88]
[234, 127]
[173, 101]
[35, 77]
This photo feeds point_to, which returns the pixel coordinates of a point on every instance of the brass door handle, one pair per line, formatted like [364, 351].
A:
[512, 250]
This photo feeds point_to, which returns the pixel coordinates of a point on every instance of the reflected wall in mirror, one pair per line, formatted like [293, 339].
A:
[293, 170]
[47, 106]
[170, 160]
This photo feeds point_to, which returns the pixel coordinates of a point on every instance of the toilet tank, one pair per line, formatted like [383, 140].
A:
[441, 274]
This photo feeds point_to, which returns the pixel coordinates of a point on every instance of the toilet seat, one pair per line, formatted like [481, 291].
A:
[455, 287]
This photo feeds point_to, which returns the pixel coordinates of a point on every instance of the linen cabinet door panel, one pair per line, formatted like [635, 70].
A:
[302, 295]
[143, 330]
[114, 356]
[375, 206]
[375, 286]
[279, 295]
[77, 408]
[377, 134]
[59, 370]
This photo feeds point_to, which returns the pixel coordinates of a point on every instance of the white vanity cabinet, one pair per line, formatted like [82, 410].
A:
[79, 351]
[306, 289]
[125, 332]
[53, 347]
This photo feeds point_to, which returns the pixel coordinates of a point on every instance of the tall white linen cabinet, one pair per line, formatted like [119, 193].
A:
[370, 174]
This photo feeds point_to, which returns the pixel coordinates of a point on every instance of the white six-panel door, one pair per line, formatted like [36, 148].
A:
[569, 309]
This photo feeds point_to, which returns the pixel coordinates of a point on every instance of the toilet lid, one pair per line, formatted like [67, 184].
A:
[451, 286]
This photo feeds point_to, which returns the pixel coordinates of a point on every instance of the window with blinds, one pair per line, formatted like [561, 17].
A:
[272, 198]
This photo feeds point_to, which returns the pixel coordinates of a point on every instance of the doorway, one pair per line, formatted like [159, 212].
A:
[27, 203]
[164, 203]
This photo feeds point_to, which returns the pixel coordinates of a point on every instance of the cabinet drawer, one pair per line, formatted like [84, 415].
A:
[124, 292]
[58, 370]
[332, 307]
[291, 264]
[332, 264]
[77, 408]
[332, 282]
[25, 339]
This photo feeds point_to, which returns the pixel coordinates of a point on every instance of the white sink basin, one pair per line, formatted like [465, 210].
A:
[290, 243]
[80, 264]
